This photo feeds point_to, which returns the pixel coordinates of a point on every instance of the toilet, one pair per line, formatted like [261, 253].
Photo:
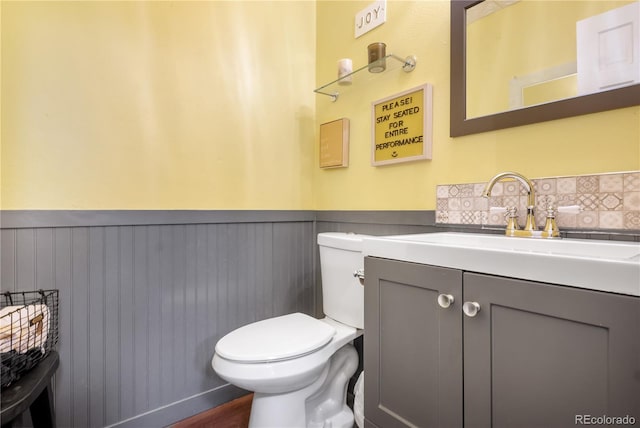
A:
[298, 366]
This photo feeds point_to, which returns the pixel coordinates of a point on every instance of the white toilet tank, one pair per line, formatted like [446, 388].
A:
[342, 293]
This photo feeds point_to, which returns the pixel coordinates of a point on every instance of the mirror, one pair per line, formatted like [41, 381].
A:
[485, 97]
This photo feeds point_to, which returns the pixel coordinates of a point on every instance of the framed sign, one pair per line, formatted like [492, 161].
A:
[334, 143]
[402, 126]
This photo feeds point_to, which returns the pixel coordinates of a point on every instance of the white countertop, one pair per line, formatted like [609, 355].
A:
[609, 266]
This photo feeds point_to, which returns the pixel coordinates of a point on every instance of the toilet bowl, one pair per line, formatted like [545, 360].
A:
[283, 385]
[298, 366]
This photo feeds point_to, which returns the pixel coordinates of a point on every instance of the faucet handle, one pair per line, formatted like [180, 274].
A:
[510, 215]
[508, 211]
[512, 219]
[551, 210]
[498, 209]
[570, 209]
[550, 226]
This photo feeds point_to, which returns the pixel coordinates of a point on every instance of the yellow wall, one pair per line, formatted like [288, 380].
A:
[596, 143]
[208, 105]
[157, 105]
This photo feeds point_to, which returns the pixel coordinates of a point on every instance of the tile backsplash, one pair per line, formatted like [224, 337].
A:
[606, 201]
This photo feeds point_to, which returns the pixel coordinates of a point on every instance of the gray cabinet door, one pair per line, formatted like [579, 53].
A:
[412, 346]
[539, 355]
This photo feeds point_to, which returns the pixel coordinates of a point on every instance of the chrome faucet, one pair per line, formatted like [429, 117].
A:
[530, 225]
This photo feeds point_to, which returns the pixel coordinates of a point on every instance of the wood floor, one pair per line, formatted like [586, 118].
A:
[234, 414]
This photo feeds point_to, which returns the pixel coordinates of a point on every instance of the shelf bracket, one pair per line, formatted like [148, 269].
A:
[408, 63]
[334, 95]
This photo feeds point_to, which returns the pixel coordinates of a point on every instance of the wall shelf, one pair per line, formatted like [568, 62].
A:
[331, 89]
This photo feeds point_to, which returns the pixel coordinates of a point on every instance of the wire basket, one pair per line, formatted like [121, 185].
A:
[28, 331]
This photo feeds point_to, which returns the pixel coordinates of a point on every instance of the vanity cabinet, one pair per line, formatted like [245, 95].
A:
[535, 355]
[409, 381]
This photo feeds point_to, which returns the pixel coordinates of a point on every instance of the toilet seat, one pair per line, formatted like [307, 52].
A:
[275, 339]
[286, 375]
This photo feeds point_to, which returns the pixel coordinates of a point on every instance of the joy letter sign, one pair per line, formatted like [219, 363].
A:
[370, 17]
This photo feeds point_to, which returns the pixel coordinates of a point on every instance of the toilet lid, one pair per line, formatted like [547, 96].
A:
[275, 339]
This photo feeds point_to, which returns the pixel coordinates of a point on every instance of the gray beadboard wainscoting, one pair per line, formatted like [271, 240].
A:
[142, 305]
[145, 295]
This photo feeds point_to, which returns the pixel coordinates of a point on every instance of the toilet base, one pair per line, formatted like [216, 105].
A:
[321, 404]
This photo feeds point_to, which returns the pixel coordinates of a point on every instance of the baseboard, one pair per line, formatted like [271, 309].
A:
[174, 412]
[234, 414]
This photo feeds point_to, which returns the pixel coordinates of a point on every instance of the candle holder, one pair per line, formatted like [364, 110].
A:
[377, 52]
[345, 69]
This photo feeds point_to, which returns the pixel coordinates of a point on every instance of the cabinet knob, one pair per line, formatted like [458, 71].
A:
[471, 309]
[445, 300]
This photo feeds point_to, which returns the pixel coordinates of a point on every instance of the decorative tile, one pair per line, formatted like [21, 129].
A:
[481, 217]
[497, 189]
[545, 186]
[454, 217]
[466, 190]
[467, 217]
[631, 182]
[466, 204]
[442, 191]
[611, 220]
[496, 218]
[566, 220]
[511, 201]
[442, 204]
[587, 219]
[454, 204]
[544, 201]
[565, 199]
[609, 201]
[566, 185]
[631, 201]
[511, 188]
[587, 184]
[611, 183]
[496, 201]
[481, 204]
[632, 219]
[478, 189]
[588, 201]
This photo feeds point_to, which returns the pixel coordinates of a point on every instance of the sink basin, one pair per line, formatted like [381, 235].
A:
[609, 266]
